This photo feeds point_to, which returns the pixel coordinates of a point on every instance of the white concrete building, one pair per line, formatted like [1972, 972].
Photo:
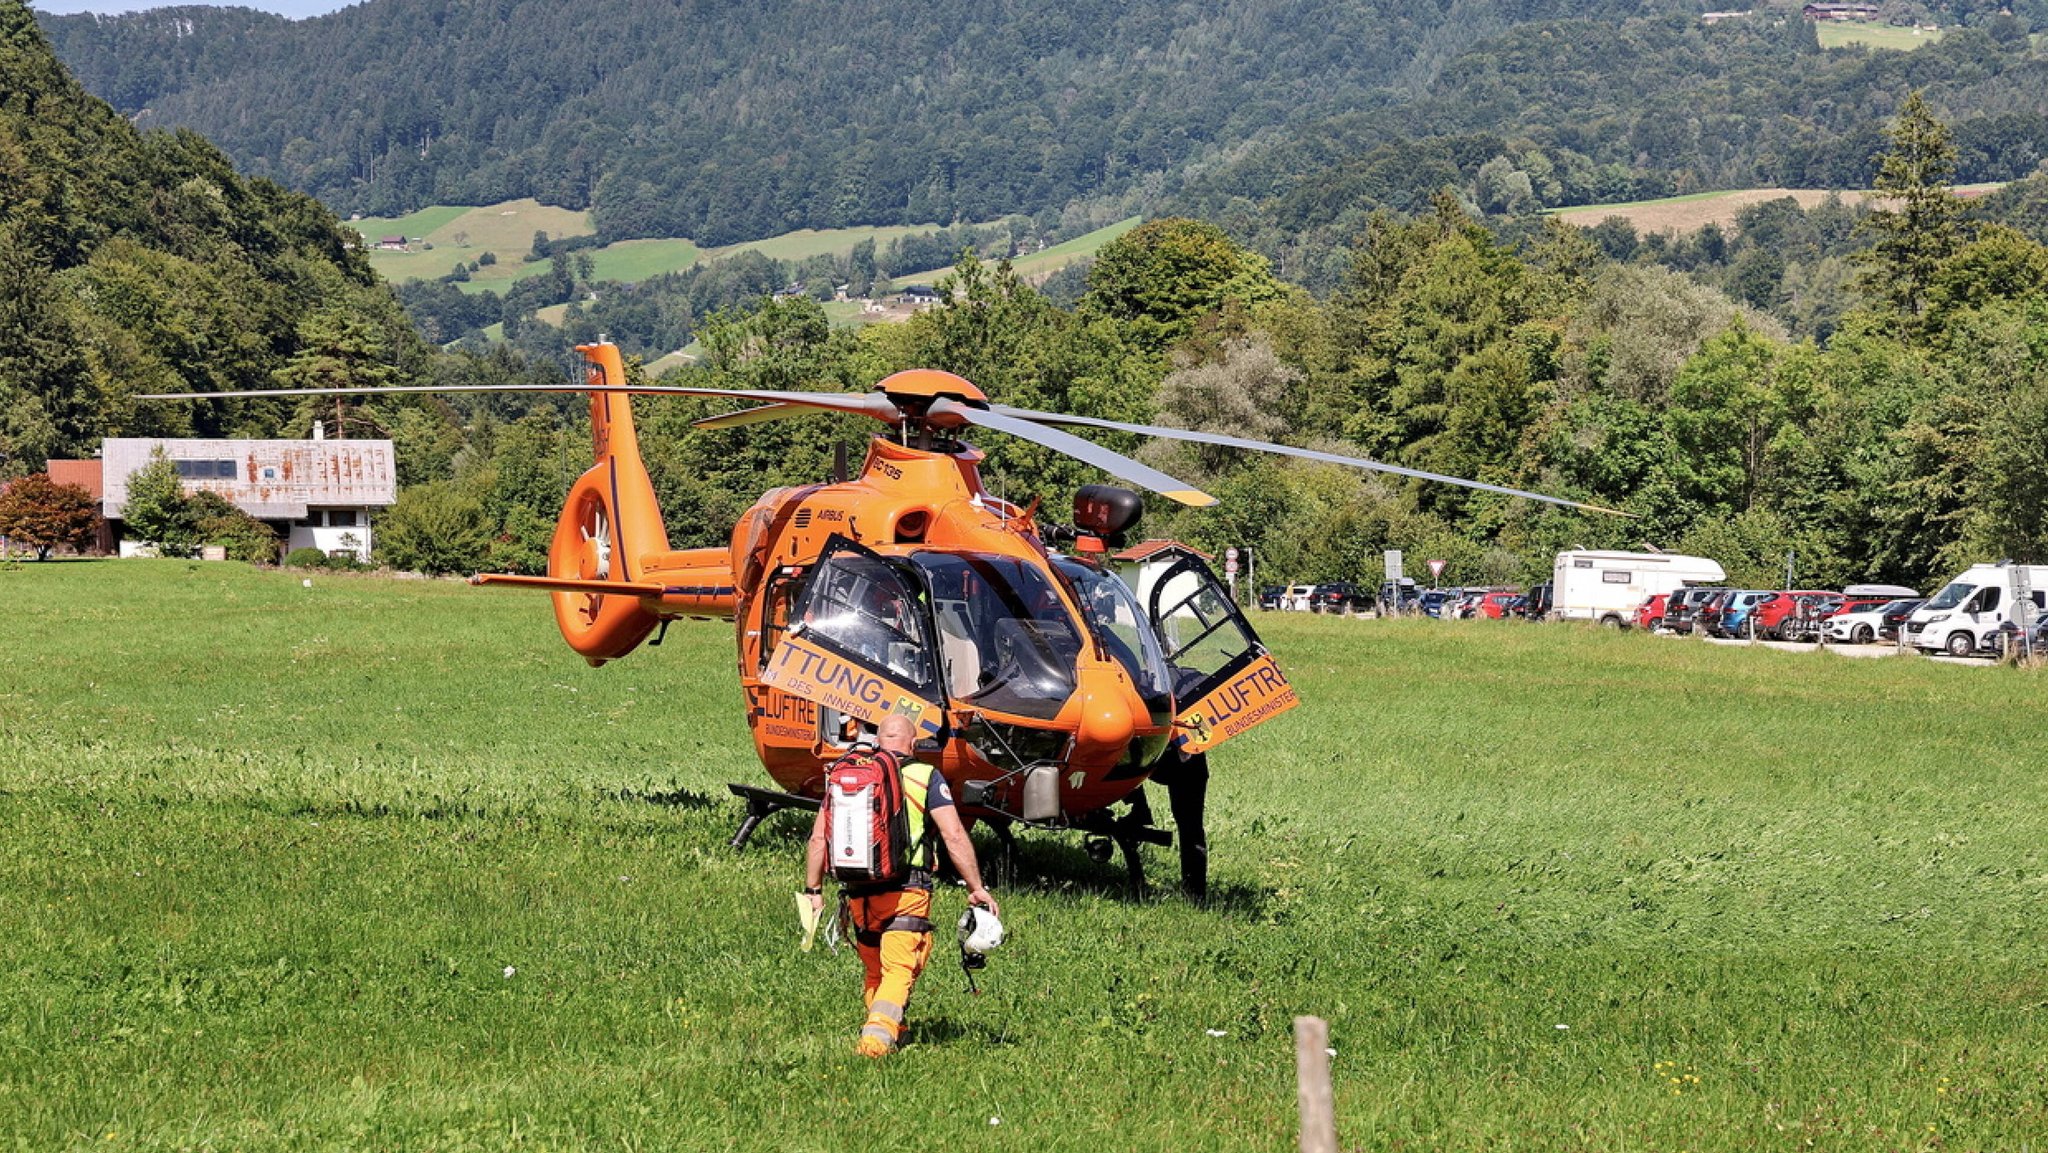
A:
[317, 493]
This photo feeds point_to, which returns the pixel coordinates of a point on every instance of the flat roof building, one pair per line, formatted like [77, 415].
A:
[319, 492]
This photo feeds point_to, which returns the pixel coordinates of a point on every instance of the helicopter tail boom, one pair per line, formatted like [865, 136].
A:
[609, 529]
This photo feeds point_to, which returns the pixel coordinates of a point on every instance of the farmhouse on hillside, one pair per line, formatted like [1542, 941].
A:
[316, 493]
[1840, 12]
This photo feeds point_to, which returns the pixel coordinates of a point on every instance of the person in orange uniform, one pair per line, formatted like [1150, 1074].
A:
[892, 927]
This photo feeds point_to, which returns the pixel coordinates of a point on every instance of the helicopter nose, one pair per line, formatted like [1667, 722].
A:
[1107, 719]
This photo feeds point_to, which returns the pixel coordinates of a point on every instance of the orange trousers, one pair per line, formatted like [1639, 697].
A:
[891, 967]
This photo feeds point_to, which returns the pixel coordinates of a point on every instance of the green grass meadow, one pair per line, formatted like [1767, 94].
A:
[381, 864]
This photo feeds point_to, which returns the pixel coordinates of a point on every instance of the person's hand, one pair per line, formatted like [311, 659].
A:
[981, 897]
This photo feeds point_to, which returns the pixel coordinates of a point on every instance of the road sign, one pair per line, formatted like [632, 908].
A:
[1436, 568]
[1230, 566]
[1230, 554]
[1393, 564]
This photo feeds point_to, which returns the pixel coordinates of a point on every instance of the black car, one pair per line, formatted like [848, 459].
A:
[1534, 605]
[1269, 597]
[1894, 618]
[1339, 597]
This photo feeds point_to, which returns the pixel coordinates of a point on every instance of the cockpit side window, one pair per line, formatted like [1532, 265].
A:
[865, 607]
[1201, 629]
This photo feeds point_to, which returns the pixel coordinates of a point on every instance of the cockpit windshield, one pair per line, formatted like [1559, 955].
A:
[1113, 609]
[1006, 640]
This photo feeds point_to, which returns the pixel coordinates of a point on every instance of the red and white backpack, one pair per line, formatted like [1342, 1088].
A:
[867, 819]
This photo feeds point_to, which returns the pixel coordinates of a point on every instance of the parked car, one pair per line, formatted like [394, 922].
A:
[1861, 626]
[1440, 603]
[2007, 637]
[1340, 597]
[1735, 610]
[1297, 598]
[1650, 614]
[1706, 617]
[1270, 597]
[1683, 605]
[1494, 605]
[1789, 615]
[1536, 604]
[1399, 598]
[1895, 617]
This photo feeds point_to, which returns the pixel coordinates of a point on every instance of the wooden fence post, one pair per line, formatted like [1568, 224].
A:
[1312, 1074]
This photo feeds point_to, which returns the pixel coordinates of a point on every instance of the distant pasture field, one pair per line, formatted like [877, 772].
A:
[464, 234]
[1690, 213]
[380, 864]
[1037, 266]
[1841, 34]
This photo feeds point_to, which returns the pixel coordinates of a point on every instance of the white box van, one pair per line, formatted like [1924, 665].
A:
[1961, 617]
[1590, 585]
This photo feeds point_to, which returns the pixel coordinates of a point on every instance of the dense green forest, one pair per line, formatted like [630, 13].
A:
[724, 122]
[132, 261]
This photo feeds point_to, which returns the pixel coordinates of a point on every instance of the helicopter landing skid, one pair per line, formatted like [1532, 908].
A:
[761, 805]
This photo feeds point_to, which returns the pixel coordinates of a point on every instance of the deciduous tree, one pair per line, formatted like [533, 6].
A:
[43, 514]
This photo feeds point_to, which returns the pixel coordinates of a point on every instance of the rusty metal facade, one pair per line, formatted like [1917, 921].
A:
[268, 479]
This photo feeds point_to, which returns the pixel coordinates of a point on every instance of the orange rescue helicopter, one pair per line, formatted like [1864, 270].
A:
[1042, 687]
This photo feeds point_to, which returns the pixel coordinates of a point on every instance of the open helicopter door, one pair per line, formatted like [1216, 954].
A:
[858, 641]
[1225, 682]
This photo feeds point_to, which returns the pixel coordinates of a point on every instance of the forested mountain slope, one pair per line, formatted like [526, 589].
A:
[1596, 111]
[132, 262]
[724, 121]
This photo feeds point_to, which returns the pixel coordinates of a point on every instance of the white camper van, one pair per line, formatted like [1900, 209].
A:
[1590, 585]
[1961, 618]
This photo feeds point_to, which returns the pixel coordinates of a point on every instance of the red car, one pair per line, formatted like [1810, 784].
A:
[1650, 613]
[1494, 606]
[1780, 615]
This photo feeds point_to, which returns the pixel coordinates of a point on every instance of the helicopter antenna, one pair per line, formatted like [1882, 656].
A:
[839, 462]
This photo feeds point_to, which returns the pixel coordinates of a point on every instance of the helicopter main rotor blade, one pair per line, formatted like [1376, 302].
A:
[1088, 452]
[1288, 450]
[747, 416]
[859, 404]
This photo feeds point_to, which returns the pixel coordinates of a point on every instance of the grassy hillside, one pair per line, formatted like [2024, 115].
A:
[444, 235]
[1694, 212]
[463, 234]
[1039, 265]
[380, 864]
[1833, 35]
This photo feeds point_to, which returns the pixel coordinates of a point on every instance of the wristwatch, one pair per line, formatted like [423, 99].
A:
[813, 891]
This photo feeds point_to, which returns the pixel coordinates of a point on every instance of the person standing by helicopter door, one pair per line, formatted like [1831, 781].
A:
[891, 920]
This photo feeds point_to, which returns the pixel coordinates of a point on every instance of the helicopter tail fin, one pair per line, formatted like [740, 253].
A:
[610, 527]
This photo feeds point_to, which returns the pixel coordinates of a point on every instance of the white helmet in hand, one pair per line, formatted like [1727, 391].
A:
[980, 931]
